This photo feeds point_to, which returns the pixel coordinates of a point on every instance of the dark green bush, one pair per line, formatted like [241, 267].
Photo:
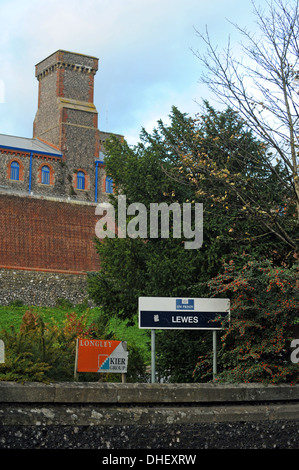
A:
[46, 353]
[255, 346]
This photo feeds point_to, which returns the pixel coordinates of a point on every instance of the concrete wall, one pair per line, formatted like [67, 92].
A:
[148, 416]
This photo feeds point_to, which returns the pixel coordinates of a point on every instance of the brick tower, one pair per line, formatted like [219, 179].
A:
[67, 117]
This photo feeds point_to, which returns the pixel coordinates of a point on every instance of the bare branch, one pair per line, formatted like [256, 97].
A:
[262, 86]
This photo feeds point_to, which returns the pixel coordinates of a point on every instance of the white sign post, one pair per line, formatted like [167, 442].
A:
[153, 355]
[2, 355]
[214, 354]
[157, 313]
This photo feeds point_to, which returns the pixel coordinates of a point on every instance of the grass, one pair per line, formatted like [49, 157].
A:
[12, 316]
[131, 334]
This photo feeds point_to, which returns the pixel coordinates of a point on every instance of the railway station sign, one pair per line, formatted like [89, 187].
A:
[183, 313]
[93, 355]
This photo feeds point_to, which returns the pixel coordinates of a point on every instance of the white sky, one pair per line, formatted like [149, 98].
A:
[144, 48]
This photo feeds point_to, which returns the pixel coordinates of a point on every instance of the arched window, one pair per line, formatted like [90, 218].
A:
[80, 180]
[15, 171]
[45, 175]
[109, 185]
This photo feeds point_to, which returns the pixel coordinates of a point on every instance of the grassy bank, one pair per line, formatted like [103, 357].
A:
[11, 316]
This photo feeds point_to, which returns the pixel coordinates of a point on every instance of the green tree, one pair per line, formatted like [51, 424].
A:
[159, 170]
[234, 173]
[134, 267]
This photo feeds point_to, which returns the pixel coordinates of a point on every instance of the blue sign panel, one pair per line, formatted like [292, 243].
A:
[181, 320]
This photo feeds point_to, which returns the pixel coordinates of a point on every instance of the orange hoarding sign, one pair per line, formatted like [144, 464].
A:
[98, 355]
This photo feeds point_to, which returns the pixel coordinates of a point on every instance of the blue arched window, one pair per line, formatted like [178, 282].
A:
[45, 175]
[80, 180]
[15, 171]
[109, 185]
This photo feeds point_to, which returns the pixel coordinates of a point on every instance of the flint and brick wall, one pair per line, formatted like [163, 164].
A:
[45, 234]
[55, 188]
[148, 416]
[41, 288]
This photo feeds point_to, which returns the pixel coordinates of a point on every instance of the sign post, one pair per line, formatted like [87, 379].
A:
[93, 355]
[76, 361]
[153, 355]
[183, 313]
[2, 349]
[214, 354]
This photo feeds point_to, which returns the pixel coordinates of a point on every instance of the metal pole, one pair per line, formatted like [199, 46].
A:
[153, 356]
[214, 354]
[76, 362]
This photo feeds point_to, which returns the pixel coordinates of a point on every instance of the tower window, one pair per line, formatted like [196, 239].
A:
[15, 171]
[45, 175]
[80, 180]
[109, 185]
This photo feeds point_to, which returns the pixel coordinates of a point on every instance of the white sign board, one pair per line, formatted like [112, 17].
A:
[183, 313]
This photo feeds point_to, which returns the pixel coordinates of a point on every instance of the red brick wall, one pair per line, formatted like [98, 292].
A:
[43, 235]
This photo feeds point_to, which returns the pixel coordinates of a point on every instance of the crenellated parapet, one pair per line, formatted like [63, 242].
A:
[66, 60]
